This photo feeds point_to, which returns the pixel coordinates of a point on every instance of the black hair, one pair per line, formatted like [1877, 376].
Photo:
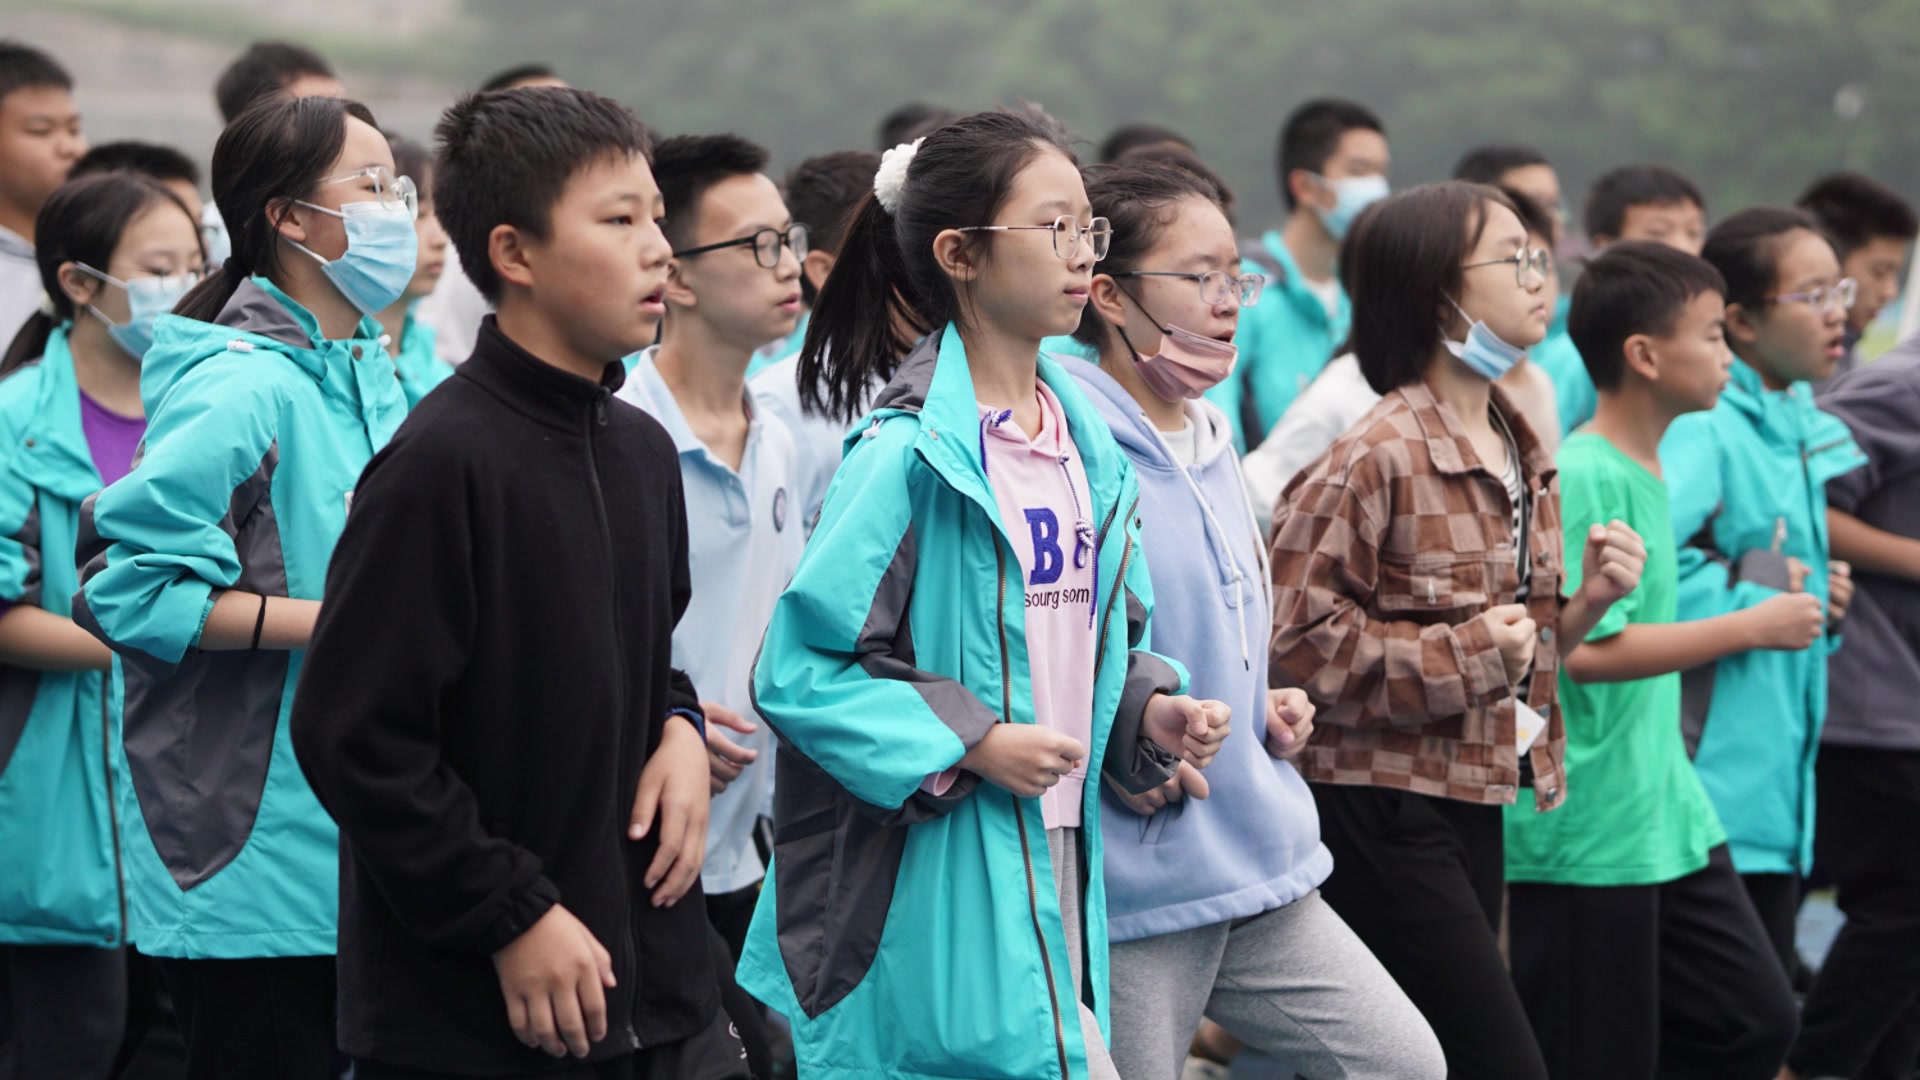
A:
[1633, 287]
[1487, 164]
[1311, 136]
[506, 156]
[822, 192]
[23, 66]
[1635, 185]
[279, 149]
[519, 73]
[1538, 219]
[262, 71]
[910, 121]
[81, 222]
[1854, 210]
[1745, 248]
[1404, 268]
[960, 177]
[1181, 157]
[1133, 136]
[1139, 199]
[410, 159]
[687, 166]
[163, 163]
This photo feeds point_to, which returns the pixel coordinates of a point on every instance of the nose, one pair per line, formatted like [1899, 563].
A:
[788, 266]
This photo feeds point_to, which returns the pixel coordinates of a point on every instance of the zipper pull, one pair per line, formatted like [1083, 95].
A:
[1779, 535]
[600, 410]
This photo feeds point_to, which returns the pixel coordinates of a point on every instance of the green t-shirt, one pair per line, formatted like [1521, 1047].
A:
[1635, 812]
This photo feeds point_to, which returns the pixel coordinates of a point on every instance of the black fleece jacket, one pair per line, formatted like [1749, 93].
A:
[488, 677]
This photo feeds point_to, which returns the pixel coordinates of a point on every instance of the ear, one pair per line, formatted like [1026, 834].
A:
[818, 265]
[508, 250]
[1638, 351]
[1599, 240]
[950, 251]
[679, 293]
[1742, 328]
[80, 286]
[284, 217]
[1306, 191]
[1107, 300]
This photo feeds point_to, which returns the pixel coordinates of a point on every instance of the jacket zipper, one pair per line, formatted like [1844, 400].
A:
[1020, 818]
[598, 419]
[1119, 585]
[113, 809]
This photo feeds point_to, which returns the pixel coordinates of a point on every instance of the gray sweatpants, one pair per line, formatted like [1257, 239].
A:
[1064, 846]
[1295, 982]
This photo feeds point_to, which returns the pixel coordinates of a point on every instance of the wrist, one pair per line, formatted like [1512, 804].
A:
[694, 723]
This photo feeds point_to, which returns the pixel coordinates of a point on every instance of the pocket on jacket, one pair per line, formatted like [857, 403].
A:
[1432, 588]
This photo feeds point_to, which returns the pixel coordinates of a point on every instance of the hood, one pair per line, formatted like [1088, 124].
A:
[1132, 430]
[257, 316]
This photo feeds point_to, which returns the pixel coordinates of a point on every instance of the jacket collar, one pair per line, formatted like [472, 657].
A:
[1447, 442]
[538, 390]
[1294, 287]
[53, 453]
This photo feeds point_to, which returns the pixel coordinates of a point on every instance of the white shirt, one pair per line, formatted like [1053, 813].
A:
[1185, 443]
[744, 533]
[453, 309]
[819, 443]
[20, 287]
[1331, 403]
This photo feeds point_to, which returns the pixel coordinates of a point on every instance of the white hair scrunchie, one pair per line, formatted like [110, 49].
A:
[891, 179]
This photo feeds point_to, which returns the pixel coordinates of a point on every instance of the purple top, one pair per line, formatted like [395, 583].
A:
[112, 439]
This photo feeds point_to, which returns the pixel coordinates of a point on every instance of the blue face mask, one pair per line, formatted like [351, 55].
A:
[1350, 196]
[147, 300]
[382, 253]
[1484, 351]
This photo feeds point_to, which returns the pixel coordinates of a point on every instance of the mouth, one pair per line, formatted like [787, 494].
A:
[655, 302]
[1539, 311]
[434, 269]
[1078, 292]
[1837, 348]
[791, 304]
[1224, 336]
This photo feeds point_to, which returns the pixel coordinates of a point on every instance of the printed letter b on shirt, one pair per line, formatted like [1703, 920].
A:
[1048, 560]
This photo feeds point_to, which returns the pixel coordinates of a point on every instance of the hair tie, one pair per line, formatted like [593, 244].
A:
[890, 182]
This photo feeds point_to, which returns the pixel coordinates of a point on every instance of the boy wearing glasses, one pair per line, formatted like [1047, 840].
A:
[733, 285]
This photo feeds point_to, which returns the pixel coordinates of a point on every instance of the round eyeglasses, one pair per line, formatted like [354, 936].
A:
[1529, 267]
[766, 245]
[1215, 285]
[1067, 234]
[1836, 297]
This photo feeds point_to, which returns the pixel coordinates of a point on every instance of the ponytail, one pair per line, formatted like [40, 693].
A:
[30, 343]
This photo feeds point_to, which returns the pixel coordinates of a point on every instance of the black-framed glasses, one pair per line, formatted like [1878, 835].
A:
[1067, 234]
[1529, 267]
[1838, 296]
[1215, 285]
[766, 245]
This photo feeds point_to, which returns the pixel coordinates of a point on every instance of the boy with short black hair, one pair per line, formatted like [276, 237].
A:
[1630, 883]
[1872, 229]
[164, 163]
[488, 708]
[40, 140]
[1521, 168]
[1647, 202]
[1332, 163]
[274, 67]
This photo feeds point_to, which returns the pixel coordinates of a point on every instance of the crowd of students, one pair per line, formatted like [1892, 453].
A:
[571, 603]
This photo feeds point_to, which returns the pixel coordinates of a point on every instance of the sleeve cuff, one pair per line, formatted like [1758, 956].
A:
[1481, 668]
[694, 717]
[520, 910]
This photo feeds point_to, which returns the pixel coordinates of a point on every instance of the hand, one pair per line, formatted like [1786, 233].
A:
[1025, 759]
[1186, 781]
[1786, 621]
[675, 783]
[555, 978]
[1513, 634]
[1610, 568]
[1182, 725]
[1289, 722]
[1797, 574]
[726, 759]
[1839, 591]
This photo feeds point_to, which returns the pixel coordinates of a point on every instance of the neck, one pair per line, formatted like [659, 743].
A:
[1467, 394]
[1117, 361]
[1634, 421]
[104, 370]
[16, 220]
[705, 373]
[1767, 378]
[302, 279]
[533, 331]
[1005, 370]
[394, 321]
[1313, 248]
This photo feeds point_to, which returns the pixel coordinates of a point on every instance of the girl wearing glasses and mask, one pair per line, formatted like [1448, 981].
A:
[115, 251]
[266, 395]
[1213, 903]
[1417, 600]
[959, 659]
[1748, 489]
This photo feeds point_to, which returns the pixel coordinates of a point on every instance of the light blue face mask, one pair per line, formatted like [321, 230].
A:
[147, 299]
[382, 253]
[1350, 196]
[1484, 351]
[214, 234]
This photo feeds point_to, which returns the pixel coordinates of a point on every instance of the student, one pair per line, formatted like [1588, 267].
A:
[985, 591]
[1634, 947]
[1130, 137]
[734, 282]
[1332, 164]
[1213, 907]
[1175, 154]
[115, 252]
[1862, 1017]
[266, 394]
[1748, 481]
[410, 341]
[40, 140]
[519, 777]
[1872, 230]
[266, 69]
[175, 170]
[1417, 599]
[820, 191]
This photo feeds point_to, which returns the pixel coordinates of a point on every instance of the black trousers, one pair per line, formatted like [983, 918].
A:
[271, 1016]
[731, 914]
[713, 1053]
[1862, 1018]
[1420, 880]
[1776, 899]
[1676, 980]
[62, 1011]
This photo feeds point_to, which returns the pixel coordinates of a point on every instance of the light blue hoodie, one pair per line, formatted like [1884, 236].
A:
[1254, 845]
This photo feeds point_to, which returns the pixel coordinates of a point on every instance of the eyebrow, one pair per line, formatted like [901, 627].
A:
[1052, 204]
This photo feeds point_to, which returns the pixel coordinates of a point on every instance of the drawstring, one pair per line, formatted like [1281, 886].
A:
[1212, 524]
[1084, 540]
[994, 419]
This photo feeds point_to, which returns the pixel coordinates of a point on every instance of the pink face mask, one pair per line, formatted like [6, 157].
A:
[1187, 364]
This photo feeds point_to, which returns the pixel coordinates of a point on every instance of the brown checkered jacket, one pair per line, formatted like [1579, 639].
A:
[1385, 552]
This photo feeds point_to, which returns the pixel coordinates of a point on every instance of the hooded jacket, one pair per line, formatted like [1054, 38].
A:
[1254, 844]
[1750, 475]
[258, 428]
[906, 934]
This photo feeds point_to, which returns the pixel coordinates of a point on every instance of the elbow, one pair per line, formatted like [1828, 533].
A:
[1585, 664]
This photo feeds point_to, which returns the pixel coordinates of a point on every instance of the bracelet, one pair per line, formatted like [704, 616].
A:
[259, 624]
